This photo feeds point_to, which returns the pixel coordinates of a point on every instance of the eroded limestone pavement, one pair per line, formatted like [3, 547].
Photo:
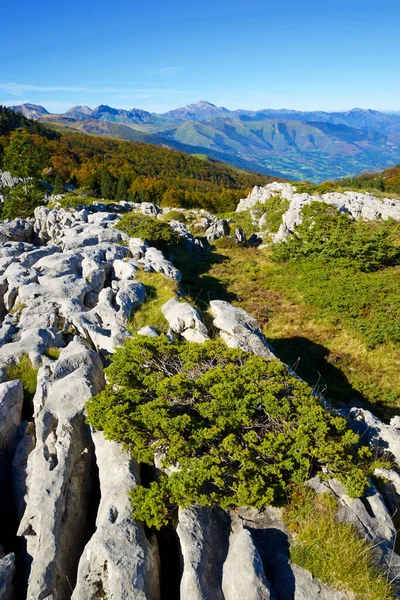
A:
[68, 282]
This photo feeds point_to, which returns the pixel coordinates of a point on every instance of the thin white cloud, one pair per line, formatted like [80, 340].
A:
[167, 70]
[20, 89]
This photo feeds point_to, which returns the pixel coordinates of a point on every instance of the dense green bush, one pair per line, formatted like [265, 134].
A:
[330, 235]
[239, 427]
[158, 233]
[273, 210]
[21, 201]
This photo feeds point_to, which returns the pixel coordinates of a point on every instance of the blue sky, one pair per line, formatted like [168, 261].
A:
[240, 54]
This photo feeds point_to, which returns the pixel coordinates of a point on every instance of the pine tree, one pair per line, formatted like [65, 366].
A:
[19, 156]
[124, 183]
[107, 185]
[58, 187]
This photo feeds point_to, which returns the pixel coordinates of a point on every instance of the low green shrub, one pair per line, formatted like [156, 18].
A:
[330, 235]
[157, 233]
[240, 427]
[174, 215]
[273, 209]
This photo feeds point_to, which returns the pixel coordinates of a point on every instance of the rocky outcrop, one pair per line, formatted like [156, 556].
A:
[217, 230]
[7, 571]
[203, 534]
[118, 561]
[370, 517]
[243, 572]
[61, 477]
[238, 329]
[154, 260]
[184, 320]
[377, 433]
[8, 181]
[356, 204]
[19, 230]
[74, 294]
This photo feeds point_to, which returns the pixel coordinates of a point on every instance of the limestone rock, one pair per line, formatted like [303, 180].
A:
[61, 476]
[377, 432]
[118, 559]
[147, 330]
[154, 260]
[370, 516]
[239, 329]
[217, 230]
[7, 180]
[184, 320]
[358, 205]
[7, 570]
[19, 230]
[243, 572]
[203, 535]
[24, 447]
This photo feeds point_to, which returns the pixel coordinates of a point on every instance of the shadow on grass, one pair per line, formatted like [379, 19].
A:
[196, 282]
[315, 364]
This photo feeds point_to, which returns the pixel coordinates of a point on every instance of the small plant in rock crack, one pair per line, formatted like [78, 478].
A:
[237, 428]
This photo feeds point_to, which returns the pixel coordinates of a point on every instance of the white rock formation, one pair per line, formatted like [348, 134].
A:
[184, 320]
[118, 561]
[243, 572]
[203, 534]
[7, 571]
[358, 205]
[60, 472]
[239, 329]
[376, 432]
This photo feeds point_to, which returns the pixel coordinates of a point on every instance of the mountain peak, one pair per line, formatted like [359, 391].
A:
[30, 111]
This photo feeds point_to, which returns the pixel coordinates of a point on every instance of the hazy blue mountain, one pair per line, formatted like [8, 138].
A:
[116, 115]
[202, 111]
[314, 145]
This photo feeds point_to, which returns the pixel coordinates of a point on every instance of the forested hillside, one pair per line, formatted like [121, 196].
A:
[119, 169]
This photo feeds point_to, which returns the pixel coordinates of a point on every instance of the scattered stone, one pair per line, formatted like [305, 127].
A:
[184, 320]
[239, 329]
[149, 331]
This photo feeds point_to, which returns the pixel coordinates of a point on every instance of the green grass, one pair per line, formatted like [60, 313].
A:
[333, 551]
[24, 371]
[339, 329]
[159, 290]
[52, 353]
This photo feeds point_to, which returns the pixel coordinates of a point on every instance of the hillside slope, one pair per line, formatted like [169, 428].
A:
[299, 145]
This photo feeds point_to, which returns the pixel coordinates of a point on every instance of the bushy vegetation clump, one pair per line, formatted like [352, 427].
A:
[21, 201]
[273, 209]
[158, 233]
[235, 428]
[331, 550]
[329, 235]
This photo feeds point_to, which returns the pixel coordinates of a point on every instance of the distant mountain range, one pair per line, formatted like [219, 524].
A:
[312, 145]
